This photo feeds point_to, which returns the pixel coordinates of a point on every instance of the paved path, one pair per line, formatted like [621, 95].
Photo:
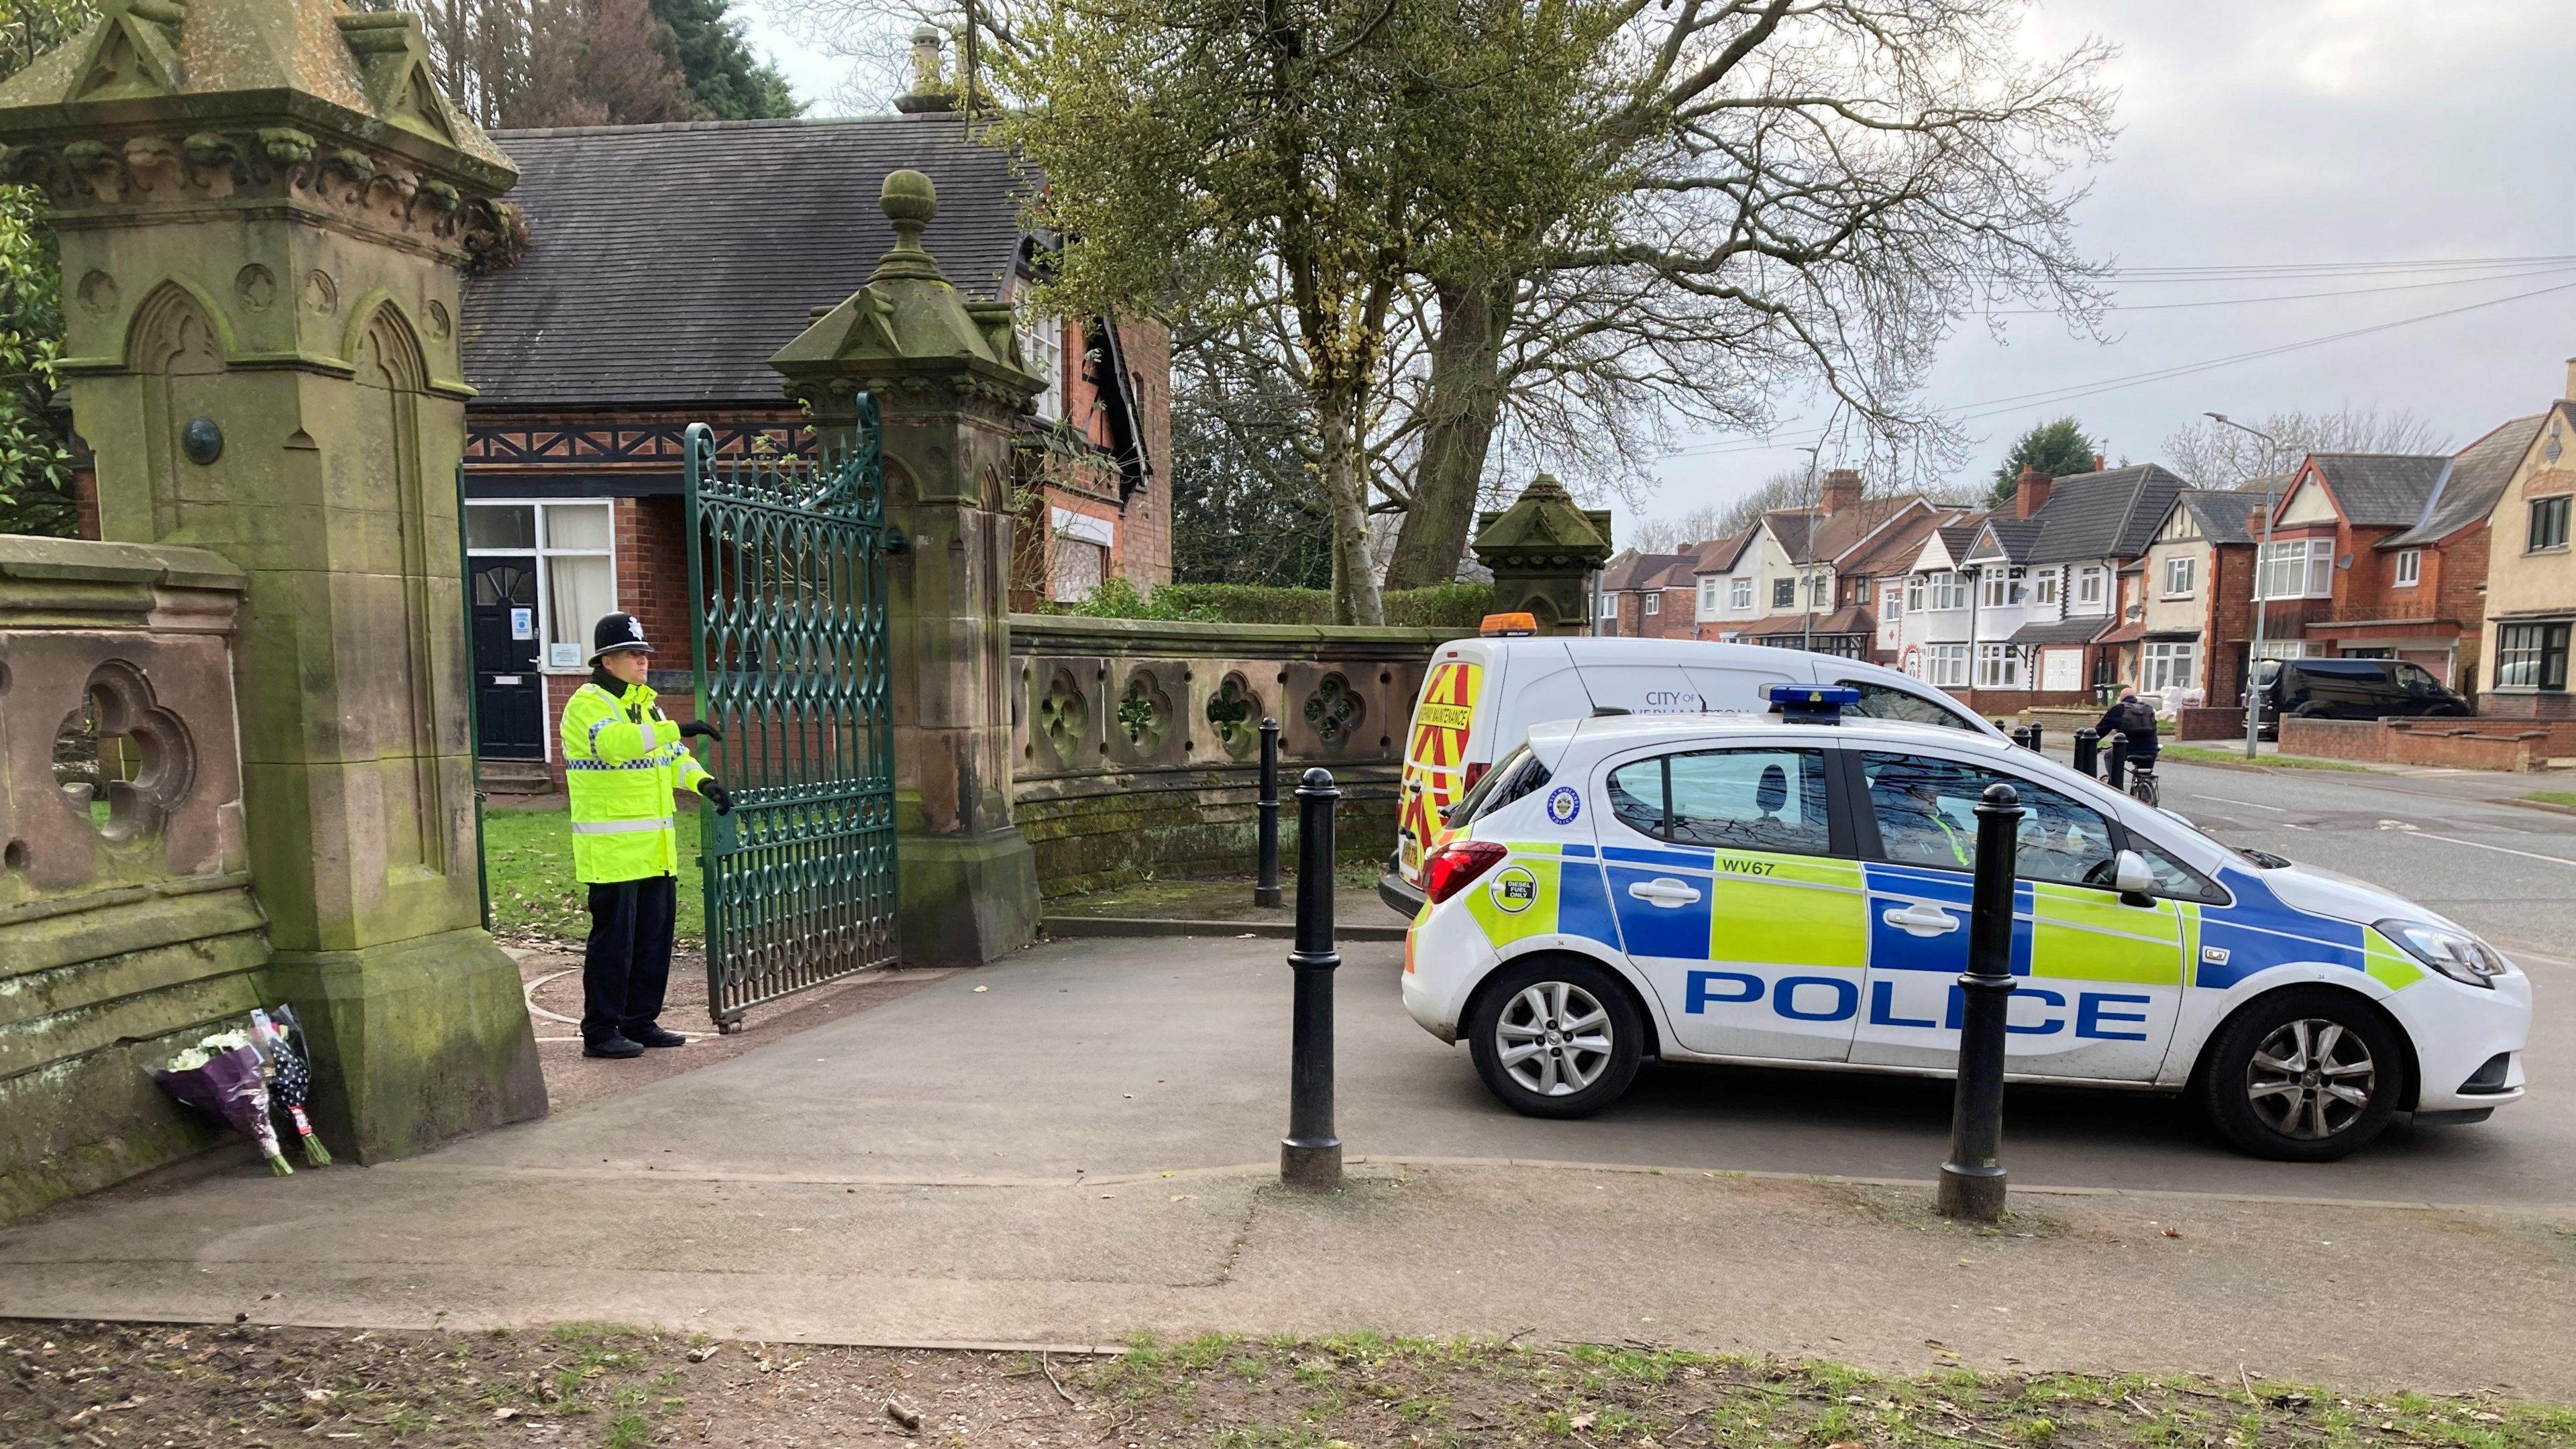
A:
[1076, 1143]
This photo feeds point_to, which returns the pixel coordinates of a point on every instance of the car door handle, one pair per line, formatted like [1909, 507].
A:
[1922, 920]
[1665, 892]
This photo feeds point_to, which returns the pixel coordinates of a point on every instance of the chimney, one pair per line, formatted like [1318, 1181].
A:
[930, 91]
[1842, 490]
[2030, 490]
[2100, 463]
[2571, 378]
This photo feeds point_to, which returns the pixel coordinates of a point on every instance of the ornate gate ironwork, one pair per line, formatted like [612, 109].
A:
[787, 618]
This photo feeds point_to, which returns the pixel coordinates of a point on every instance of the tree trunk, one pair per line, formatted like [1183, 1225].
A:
[1355, 591]
[1465, 400]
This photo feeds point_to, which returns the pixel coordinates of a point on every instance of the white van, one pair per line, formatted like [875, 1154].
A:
[1482, 695]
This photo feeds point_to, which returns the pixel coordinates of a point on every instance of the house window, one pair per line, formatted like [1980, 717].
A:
[2088, 586]
[1042, 347]
[1819, 591]
[1860, 591]
[1655, 602]
[2282, 649]
[1740, 594]
[576, 566]
[2410, 567]
[1609, 605]
[2296, 568]
[2531, 656]
[1895, 606]
[2548, 524]
[1948, 590]
[1998, 666]
[2043, 588]
[1080, 563]
[2171, 666]
[1914, 592]
[1784, 593]
[2182, 577]
[1946, 665]
[1707, 597]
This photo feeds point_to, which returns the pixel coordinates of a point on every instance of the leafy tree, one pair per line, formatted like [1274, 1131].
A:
[1245, 509]
[2058, 449]
[720, 69]
[35, 437]
[1288, 168]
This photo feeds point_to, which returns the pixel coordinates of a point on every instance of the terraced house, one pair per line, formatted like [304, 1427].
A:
[2531, 575]
[1790, 583]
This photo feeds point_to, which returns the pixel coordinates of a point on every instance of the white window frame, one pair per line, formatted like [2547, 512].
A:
[2312, 559]
[1609, 604]
[2283, 649]
[1948, 590]
[2410, 568]
[2088, 585]
[1042, 347]
[543, 551]
[2043, 587]
[1891, 605]
[2169, 665]
[1740, 592]
[2182, 576]
[1945, 666]
[1707, 597]
[1655, 601]
[1914, 592]
[1998, 666]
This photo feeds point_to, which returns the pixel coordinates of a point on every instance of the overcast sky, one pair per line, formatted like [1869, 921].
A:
[2265, 132]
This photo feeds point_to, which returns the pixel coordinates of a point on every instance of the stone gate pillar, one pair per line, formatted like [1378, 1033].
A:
[263, 206]
[1543, 550]
[949, 385]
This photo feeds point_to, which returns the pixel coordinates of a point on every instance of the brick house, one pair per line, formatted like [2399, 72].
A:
[2531, 575]
[1789, 582]
[2027, 609]
[2377, 556]
[2195, 596]
[668, 263]
[1646, 596]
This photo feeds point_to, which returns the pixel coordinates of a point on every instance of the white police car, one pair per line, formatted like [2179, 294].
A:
[1748, 888]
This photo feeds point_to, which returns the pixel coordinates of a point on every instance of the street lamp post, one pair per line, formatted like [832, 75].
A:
[1807, 565]
[2262, 556]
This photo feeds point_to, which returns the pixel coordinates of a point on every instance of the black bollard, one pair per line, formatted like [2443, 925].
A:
[2088, 746]
[1311, 1156]
[1972, 1181]
[2036, 738]
[1265, 878]
[2021, 736]
[2115, 762]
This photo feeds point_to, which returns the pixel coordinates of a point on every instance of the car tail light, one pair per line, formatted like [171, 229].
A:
[1452, 866]
[1475, 771]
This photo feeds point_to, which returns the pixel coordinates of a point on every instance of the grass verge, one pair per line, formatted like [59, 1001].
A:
[527, 858]
[2553, 797]
[2237, 757]
[625, 1388]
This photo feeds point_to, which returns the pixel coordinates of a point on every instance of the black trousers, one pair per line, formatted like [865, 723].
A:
[627, 965]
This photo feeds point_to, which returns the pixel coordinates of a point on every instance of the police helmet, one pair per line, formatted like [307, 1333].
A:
[615, 632]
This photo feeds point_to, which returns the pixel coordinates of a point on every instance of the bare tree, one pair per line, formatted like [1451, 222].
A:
[2212, 455]
[512, 63]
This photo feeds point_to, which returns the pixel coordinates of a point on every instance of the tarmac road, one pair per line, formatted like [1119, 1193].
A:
[1137, 1056]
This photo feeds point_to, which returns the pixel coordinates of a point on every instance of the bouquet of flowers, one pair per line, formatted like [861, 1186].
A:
[290, 1071]
[222, 1075]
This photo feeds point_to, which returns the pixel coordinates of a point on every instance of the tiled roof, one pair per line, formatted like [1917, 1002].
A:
[2222, 512]
[2478, 476]
[1834, 534]
[1718, 555]
[2062, 631]
[2112, 514]
[2381, 490]
[1633, 571]
[668, 262]
[1896, 546]
[1849, 619]
[2015, 536]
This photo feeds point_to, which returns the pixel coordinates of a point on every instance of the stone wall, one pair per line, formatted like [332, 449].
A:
[2209, 722]
[1135, 743]
[127, 923]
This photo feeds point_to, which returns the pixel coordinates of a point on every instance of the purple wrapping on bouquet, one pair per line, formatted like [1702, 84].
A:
[230, 1086]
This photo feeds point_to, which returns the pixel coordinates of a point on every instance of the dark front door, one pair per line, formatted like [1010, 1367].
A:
[510, 695]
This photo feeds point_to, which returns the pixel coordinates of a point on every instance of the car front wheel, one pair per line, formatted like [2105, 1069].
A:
[2303, 1075]
[1556, 1037]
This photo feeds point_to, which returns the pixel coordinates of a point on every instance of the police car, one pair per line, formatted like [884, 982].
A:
[1794, 891]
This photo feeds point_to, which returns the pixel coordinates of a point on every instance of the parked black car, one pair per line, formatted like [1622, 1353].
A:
[2350, 689]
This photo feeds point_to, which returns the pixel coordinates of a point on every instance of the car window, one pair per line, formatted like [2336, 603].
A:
[1637, 796]
[1465, 806]
[1524, 773]
[2416, 680]
[1881, 701]
[1749, 800]
[1927, 815]
[2173, 878]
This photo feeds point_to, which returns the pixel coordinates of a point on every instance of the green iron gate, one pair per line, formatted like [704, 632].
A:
[787, 588]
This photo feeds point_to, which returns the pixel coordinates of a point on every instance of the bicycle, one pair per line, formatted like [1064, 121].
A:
[2142, 781]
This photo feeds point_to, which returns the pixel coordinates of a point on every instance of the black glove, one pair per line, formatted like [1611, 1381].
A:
[719, 794]
[693, 729]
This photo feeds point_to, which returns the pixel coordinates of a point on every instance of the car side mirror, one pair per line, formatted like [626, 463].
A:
[2132, 879]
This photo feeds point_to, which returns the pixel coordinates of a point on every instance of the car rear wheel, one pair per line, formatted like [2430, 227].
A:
[2303, 1075]
[1556, 1037]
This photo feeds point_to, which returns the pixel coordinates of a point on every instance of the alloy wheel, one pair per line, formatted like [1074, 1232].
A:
[1554, 1038]
[2311, 1078]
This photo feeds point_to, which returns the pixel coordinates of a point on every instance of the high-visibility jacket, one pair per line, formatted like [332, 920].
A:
[622, 759]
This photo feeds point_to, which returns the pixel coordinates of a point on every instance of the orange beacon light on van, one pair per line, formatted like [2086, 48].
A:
[1507, 626]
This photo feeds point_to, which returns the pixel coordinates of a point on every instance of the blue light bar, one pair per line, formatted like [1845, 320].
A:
[1811, 703]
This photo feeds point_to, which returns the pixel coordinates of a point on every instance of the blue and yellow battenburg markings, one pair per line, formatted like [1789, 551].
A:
[1796, 910]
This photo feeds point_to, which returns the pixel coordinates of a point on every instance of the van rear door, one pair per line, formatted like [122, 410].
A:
[1438, 745]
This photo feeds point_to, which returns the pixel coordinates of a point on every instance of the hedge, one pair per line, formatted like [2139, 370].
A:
[1442, 606]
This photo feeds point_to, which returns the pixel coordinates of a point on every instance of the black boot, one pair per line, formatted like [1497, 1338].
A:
[617, 1047]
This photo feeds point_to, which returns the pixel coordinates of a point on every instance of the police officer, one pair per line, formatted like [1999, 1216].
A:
[622, 759]
[2132, 718]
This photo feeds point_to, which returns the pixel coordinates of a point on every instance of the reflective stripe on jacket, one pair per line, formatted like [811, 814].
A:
[622, 760]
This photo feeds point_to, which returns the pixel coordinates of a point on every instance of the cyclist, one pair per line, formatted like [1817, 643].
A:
[2132, 718]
